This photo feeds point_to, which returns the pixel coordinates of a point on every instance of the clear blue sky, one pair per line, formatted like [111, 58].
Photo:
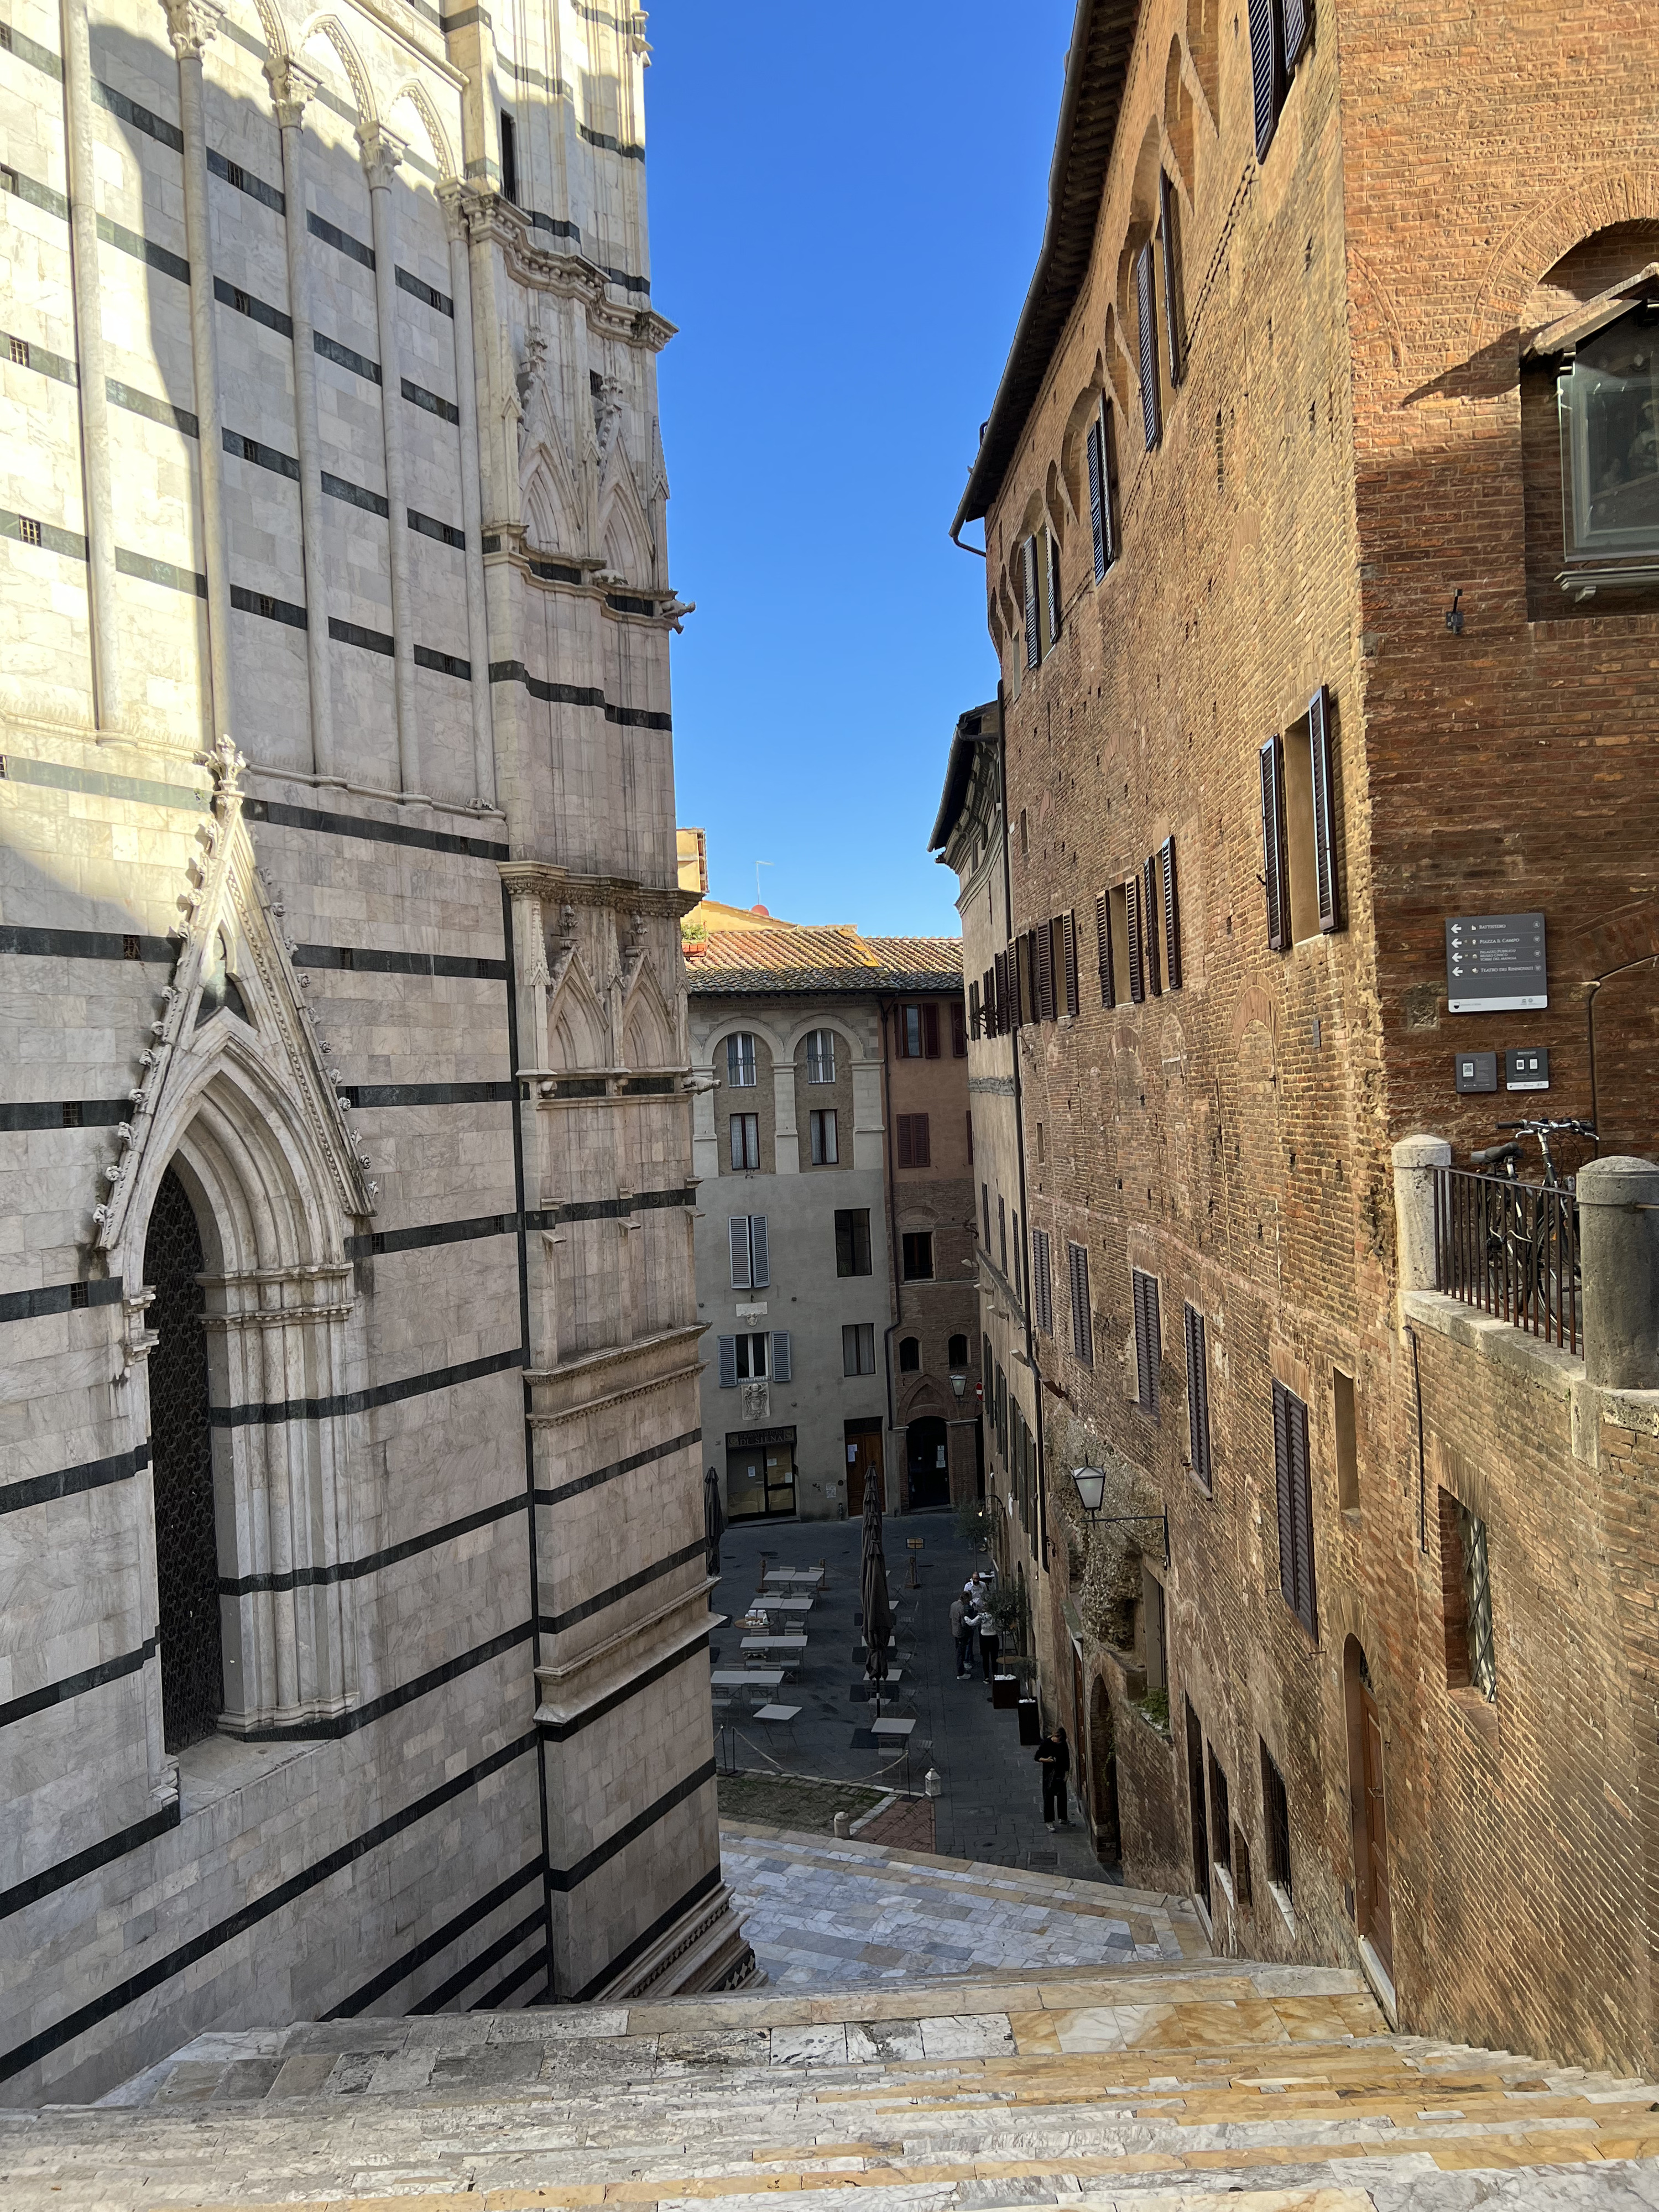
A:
[846, 204]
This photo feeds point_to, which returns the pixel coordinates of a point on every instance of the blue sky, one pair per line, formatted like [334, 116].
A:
[846, 204]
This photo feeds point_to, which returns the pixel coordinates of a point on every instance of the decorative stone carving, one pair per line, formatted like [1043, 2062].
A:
[382, 151]
[191, 25]
[292, 86]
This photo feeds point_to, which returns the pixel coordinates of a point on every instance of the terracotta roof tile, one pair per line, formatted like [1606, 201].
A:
[801, 958]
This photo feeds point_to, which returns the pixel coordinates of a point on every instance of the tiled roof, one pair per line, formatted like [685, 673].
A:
[804, 958]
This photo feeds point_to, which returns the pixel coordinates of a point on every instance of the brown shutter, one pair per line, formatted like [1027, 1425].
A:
[921, 1143]
[1298, 21]
[1198, 1396]
[1166, 865]
[904, 1157]
[1324, 810]
[1276, 889]
[1103, 948]
[1143, 1290]
[970, 1140]
[958, 1029]
[1282, 1489]
[975, 1010]
[1045, 975]
[1152, 410]
[1136, 966]
[1068, 932]
[1169, 227]
[998, 993]
[1266, 71]
[1109, 461]
[930, 1031]
[1097, 498]
[1301, 1517]
[1033, 627]
[1149, 906]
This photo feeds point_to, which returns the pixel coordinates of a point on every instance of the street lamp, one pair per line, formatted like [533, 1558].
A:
[1091, 1488]
[1090, 1483]
[959, 1384]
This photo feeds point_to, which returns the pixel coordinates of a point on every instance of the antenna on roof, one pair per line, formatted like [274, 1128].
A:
[759, 864]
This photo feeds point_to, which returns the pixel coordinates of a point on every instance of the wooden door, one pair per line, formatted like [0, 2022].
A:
[864, 1461]
[1381, 1927]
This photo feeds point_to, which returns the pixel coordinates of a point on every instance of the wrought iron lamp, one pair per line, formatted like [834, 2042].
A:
[1090, 1483]
[959, 1384]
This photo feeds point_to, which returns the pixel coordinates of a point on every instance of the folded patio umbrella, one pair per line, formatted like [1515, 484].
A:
[713, 1523]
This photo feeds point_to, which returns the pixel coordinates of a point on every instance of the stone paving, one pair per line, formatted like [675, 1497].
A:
[820, 1911]
[991, 1805]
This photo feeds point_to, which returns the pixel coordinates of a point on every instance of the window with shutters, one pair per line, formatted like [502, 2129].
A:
[1045, 974]
[976, 1024]
[1135, 942]
[917, 1247]
[1083, 1333]
[1175, 308]
[1293, 1488]
[985, 1212]
[1002, 1233]
[852, 1240]
[822, 1129]
[821, 1056]
[1102, 447]
[1299, 829]
[740, 1060]
[751, 1258]
[1279, 34]
[918, 1031]
[1068, 957]
[909, 1355]
[1276, 1825]
[1197, 1397]
[743, 1360]
[858, 1348]
[1151, 924]
[1031, 580]
[1466, 1599]
[1151, 400]
[1042, 1299]
[1221, 1818]
[914, 1144]
[745, 1142]
[1143, 1290]
[1055, 600]
[1168, 897]
[1103, 948]
[959, 1030]
[998, 1015]
[1113, 915]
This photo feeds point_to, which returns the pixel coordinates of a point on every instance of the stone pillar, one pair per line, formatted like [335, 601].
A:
[190, 24]
[92, 393]
[381, 154]
[1413, 1208]
[1618, 1248]
[291, 87]
[466, 402]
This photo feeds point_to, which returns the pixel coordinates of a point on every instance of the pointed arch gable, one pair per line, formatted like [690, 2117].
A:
[578, 1030]
[330, 29]
[414, 93]
[625, 531]
[548, 503]
[648, 1028]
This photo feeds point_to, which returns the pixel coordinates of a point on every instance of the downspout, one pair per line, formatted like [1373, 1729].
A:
[1646, 959]
[1019, 1148]
[893, 1228]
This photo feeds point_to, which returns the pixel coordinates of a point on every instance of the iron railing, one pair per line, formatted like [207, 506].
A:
[1510, 1248]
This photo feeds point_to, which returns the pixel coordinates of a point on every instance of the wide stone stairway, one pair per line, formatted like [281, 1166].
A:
[1181, 2081]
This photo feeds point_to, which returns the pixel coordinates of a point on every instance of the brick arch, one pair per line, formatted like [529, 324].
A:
[1556, 223]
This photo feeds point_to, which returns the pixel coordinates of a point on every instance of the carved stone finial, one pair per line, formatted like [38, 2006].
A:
[452, 198]
[382, 151]
[226, 764]
[292, 87]
[191, 25]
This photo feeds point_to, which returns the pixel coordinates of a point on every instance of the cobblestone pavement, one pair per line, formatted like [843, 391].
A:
[819, 1911]
[991, 1805]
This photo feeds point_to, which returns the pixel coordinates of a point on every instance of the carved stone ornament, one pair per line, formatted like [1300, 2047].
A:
[191, 25]
[382, 151]
[229, 932]
[292, 86]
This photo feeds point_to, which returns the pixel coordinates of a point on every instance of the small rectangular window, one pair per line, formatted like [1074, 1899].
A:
[1347, 1443]
[914, 1141]
[20, 352]
[751, 1358]
[821, 1056]
[1293, 1486]
[853, 1240]
[1143, 1290]
[1275, 1823]
[740, 1061]
[29, 530]
[909, 1029]
[822, 1122]
[1198, 1397]
[1175, 317]
[1042, 1302]
[745, 1142]
[918, 1249]
[509, 159]
[1466, 1598]
[1082, 1333]
[71, 1113]
[858, 1348]
[1241, 1869]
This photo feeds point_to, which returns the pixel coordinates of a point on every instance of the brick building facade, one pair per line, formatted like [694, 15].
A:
[1320, 516]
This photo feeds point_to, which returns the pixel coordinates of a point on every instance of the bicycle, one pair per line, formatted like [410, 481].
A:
[1531, 1241]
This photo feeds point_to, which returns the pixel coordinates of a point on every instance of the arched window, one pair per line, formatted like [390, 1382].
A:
[957, 1356]
[909, 1355]
[181, 1464]
[821, 1056]
[740, 1060]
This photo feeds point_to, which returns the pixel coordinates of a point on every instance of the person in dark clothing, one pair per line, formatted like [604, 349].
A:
[987, 1639]
[1053, 1756]
[963, 1621]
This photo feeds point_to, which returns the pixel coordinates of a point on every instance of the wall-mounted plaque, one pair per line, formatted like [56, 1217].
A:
[1527, 1069]
[1476, 1071]
[1495, 962]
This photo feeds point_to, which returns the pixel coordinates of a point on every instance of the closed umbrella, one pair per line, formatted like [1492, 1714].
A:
[878, 1606]
[713, 1523]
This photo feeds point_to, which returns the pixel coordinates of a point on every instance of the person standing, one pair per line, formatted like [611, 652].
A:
[987, 1639]
[963, 1621]
[1053, 1758]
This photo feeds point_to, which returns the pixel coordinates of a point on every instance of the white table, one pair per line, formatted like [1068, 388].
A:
[899, 1731]
[769, 1604]
[812, 1575]
[747, 1677]
[893, 1674]
[795, 1643]
[782, 1715]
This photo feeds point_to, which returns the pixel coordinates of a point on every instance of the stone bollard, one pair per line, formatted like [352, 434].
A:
[1413, 1208]
[1619, 1250]
[844, 1824]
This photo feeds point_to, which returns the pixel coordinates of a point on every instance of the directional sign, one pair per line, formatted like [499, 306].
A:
[1495, 962]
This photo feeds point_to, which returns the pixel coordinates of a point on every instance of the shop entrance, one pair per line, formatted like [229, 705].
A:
[927, 1463]
[864, 1464]
[760, 1474]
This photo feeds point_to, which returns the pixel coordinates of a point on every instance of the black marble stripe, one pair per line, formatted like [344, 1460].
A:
[364, 1401]
[351, 1571]
[561, 1731]
[641, 1943]
[603, 1475]
[65, 1112]
[70, 1481]
[88, 944]
[493, 2000]
[380, 1241]
[428, 1094]
[116, 1997]
[51, 1879]
[257, 310]
[77, 1685]
[393, 1701]
[368, 960]
[383, 833]
[138, 119]
[576, 694]
[503, 1947]
[439, 1939]
[568, 1878]
[553, 1624]
[341, 240]
[59, 1297]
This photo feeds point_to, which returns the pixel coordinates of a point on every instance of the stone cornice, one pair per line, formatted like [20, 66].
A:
[498, 223]
[555, 886]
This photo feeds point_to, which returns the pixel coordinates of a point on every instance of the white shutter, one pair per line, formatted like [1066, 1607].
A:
[762, 1274]
[728, 1357]
[742, 1274]
[780, 1368]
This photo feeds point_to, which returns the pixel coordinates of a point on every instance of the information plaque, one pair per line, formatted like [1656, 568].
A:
[1495, 963]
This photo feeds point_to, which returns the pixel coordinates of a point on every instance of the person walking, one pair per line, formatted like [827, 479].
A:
[986, 1624]
[963, 1621]
[1053, 1758]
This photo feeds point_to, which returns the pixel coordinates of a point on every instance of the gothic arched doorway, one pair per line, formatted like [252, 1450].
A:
[1372, 1914]
[181, 1473]
[926, 1462]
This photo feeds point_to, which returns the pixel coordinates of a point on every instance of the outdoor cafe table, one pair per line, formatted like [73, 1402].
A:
[770, 1604]
[813, 1575]
[745, 1677]
[796, 1644]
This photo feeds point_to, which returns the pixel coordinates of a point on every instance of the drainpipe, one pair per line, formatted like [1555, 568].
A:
[1020, 1147]
[882, 1007]
[1646, 959]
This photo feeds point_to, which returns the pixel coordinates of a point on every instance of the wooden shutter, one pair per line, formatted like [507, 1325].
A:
[1298, 22]
[1324, 809]
[1097, 498]
[728, 1357]
[1143, 1290]
[1082, 1339]
[1053, 588]
[780, 1355]
[1175, 321]
[1198, 1394]
[921, 1142]
[1151, 411]
[1266, 69]
[958, 1029]
[1044, 947]
[1033, 630]
[1068, 945]
[1166, 866]
[742, 1274]
[1282, 1492]
[1136, 966]
[1149, 902]
[970, 1139]
[1276, 889]
[1108, 462]
[762, 1272]
[930, 1032]
[1103, 948]
[997, 995]
[906, 1158]
[1302, 1517]
[975, 1019]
